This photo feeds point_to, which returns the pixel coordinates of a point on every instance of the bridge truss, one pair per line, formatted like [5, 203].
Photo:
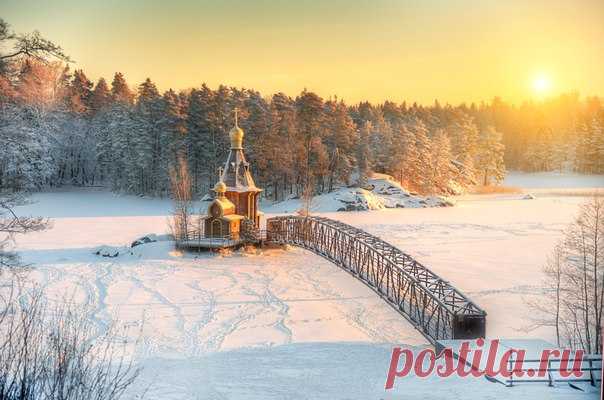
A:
[437, 309]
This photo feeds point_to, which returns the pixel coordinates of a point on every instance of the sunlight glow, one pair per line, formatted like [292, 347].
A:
[541, 84]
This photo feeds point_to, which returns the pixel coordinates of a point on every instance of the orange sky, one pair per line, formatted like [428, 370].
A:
[417, 50]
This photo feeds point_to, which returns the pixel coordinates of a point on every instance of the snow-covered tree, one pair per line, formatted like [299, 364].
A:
[310, 116]
[440, 173]
[489, 159]
[363, 160]
[26, 137]
[463, 134]
[423, 146]
[120, 90]
[100, 98]
[200, 149]
[79, 93]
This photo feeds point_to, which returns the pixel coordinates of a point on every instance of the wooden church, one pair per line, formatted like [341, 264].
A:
[233, 215]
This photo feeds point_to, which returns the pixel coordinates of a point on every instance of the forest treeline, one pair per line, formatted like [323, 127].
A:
[57, 127]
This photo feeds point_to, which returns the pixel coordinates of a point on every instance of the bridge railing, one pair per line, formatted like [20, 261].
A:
[436, 308]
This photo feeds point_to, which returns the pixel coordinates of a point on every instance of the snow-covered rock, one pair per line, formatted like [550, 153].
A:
[150, 238]
[393, 195]
[108, 251]
[381, 192]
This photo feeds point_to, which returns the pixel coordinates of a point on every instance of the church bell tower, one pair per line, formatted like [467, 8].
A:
[240, 187]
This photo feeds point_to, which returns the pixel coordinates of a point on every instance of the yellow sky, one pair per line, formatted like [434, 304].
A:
[417, 50]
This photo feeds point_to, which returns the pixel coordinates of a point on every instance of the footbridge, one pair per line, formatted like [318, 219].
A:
[436, 308]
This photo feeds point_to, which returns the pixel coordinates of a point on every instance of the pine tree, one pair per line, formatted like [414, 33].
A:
[380, 144]
[223, 106]
[441, 171]
[277, 160]
[200, 149]
[423, 146]
[590, 147]
[150, 141]
[28, 160]
[585, 150]
[309, 115]
[79, 93]
[340, 135]
[120, 90]
[463, 134]
[173, 126]
[101, 96]
[103, 137]
[255, 123]
[120, 148]
[489, 161]
[597, 128]
[363, 156]
[409, 160]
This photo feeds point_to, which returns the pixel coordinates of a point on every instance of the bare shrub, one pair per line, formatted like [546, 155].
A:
[180, 183]
[575, 282]
[57, 353]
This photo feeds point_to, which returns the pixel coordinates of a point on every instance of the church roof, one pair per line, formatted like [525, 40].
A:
[236, 173]
[225, 205]
[232, 217]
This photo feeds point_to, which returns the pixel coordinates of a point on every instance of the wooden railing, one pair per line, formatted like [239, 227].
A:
[533, 372]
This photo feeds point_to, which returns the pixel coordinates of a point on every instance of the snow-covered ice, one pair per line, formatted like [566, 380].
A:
[553, 180]
[286, 324]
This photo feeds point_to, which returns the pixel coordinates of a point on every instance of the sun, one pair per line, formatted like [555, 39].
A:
[541, 84]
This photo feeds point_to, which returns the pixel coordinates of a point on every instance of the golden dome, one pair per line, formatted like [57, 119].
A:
[236, 135]
[220, 187]
[220, 207]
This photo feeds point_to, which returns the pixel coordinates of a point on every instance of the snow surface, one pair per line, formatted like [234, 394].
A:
[286, 324]
[553, 180]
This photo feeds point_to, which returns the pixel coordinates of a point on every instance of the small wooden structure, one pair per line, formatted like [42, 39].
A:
[233, 217]
[222, 221]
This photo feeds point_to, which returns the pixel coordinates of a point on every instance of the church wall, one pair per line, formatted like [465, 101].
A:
[217, 227]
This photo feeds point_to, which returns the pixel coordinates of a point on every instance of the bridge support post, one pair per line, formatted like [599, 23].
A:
[469, 326]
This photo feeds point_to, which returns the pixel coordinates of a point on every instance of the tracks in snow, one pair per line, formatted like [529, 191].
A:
[193, 306]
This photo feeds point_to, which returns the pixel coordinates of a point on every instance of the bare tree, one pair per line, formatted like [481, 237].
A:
[11, 224]
[31, 45]
[308, 193]
[180, 182]
[575, 282]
